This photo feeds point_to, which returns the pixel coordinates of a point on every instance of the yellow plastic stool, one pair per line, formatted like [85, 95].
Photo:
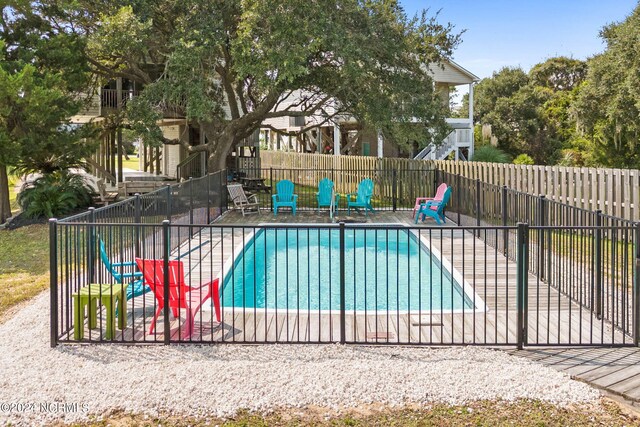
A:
[110, 296]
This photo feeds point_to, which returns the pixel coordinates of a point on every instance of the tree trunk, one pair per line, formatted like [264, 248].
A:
[5, 206]
[218, 158]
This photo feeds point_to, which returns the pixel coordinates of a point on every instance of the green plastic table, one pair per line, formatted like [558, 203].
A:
[110, 296]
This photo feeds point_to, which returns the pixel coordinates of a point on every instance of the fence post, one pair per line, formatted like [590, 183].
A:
[436, 180]
[271, 184]
[168, 203]
[636, 289]
[137, 220]
[91, 245]
[522, 283]
[165, 257]
[208, 178]
[203, 164]
[343, 320]
[478, 202]
[223, 192]
[458, 191]
[598, 264]
[191, 200]
[505, 232]
[541, 222]
[53, 281]
[394, 190]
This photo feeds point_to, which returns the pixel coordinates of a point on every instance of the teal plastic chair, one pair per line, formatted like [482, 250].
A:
[362, 197]
[116, 269]
[284, 196]
[325, 194]
[435, 208]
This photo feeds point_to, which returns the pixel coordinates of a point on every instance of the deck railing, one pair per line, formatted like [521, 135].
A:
[114, 99]
[531, 271]
[194, 166]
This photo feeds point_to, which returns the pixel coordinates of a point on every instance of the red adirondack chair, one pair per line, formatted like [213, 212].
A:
[181, 295]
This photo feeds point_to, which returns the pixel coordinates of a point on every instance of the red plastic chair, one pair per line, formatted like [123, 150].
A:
[181, 295]
[438, 197]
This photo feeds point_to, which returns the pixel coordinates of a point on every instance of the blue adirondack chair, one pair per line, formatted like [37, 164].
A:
[325, 194]
[362, 197]
[284, 196]
[132, 276]
[434, 208]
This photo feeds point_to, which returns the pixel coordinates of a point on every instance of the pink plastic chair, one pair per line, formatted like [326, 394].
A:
[180, 294]
[438, 197]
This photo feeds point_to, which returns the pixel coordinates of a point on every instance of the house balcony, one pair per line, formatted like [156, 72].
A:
[114, 99]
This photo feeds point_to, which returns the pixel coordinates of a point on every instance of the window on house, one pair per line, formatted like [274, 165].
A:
[296, 121]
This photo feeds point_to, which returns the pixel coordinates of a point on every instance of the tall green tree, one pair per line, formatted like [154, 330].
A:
[228, 65]
[529, 113]
[559, 73]
[502, 84]
[41, 73]
[608, 104]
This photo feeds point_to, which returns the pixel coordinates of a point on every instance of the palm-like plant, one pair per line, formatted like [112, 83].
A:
[54, 194]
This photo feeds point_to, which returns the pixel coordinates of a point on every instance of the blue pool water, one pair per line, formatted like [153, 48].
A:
[300, 269]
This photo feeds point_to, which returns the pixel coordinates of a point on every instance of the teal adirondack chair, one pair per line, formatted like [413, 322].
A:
[435, 208]
[362, 197]
[116, 269]
[325, 194]
[284, 196]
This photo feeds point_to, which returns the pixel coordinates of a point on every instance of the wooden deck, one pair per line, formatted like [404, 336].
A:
[616, 370]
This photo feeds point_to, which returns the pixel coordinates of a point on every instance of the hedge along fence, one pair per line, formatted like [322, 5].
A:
[615, 192]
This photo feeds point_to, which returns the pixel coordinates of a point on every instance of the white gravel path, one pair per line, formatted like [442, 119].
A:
[218, 380]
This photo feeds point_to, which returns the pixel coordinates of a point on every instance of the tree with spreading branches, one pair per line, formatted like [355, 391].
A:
[226, 66]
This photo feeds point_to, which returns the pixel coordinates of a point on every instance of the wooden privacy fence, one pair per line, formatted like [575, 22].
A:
[392, 177]
[284, 160]
[615, 192]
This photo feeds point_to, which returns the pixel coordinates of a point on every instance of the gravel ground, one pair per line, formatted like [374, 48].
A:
[219, 380]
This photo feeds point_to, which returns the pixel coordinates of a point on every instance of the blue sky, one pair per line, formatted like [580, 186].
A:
[524, 32]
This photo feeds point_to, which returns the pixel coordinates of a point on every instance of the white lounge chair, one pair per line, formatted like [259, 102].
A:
[241, 201]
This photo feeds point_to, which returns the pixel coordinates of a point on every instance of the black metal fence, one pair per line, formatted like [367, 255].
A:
[516, 270]
[587, 256]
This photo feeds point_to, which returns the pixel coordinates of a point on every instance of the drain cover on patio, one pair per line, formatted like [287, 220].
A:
[426, 320]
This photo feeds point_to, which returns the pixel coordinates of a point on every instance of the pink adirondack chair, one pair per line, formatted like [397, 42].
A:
[181, 295]
[438, 197]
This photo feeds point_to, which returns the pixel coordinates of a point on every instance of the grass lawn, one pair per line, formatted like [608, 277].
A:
[24, 264]
[132, 163]
[24, 260]
[13, 194]
[486, 413]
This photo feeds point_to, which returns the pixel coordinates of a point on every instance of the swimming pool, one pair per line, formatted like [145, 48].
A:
[385, 270]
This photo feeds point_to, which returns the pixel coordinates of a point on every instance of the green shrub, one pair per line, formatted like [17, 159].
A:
[54, 194]
[491, 154]
[523, 159]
